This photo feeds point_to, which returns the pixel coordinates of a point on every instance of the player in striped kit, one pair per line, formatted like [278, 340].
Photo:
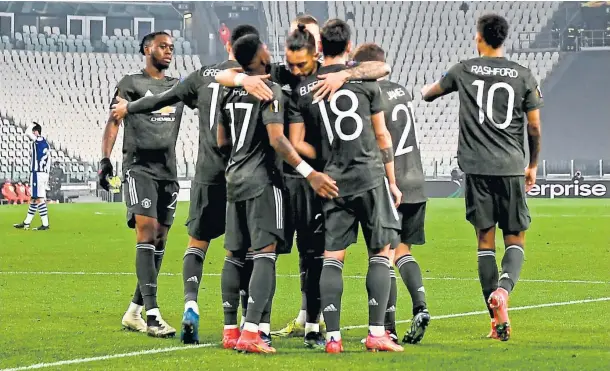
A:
[39, 179]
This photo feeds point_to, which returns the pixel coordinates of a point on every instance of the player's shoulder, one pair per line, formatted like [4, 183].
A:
[130, 77]
[275, 88]
[393, 90]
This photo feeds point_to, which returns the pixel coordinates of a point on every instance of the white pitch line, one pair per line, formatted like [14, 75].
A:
[16, 273]
[559, 304]
[106, 357]
[173, 349]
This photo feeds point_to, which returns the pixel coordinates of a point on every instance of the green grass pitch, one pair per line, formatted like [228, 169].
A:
[49, 313]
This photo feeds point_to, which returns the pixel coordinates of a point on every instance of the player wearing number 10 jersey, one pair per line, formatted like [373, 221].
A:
[495, 97]
[352, 131]
[398, 109]
[206, 220]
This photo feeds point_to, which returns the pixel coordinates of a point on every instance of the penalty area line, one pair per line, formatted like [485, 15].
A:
[168, 274]
[174, 349]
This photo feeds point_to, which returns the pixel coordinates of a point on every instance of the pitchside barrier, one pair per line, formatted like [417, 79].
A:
[446, 188]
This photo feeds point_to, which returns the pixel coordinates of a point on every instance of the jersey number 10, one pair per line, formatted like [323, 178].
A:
[480, 84]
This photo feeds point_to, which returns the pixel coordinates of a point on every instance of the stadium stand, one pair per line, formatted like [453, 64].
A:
[65, 83]
[69, 95]
[422, 40]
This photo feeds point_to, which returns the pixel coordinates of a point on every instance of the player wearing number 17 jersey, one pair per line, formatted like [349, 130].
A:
[352, 131]
[398, 109]
[496, 95]
[254, 132]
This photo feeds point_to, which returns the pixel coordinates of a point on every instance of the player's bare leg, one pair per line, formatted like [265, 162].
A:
[378, 288]
[150, 248]
[261, 286]
[511, 269]
[411, 276]
[192, 272]
[488, 269]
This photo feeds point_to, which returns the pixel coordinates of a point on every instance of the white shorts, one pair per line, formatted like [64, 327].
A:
[39, 183]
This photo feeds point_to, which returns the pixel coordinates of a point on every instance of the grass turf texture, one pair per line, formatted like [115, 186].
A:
[47, 318]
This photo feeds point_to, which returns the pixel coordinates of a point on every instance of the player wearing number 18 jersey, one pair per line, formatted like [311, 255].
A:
[352, 130]
[398, 109]
[495, 97]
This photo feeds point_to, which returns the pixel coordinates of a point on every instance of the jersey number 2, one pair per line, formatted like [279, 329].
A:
[401, 148]
[480, 84]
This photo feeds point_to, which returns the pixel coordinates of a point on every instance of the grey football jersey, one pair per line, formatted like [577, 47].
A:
[253, 163]
[495, 96]
[399, 118]
[149, 141]
[349, 147]
[199, 90]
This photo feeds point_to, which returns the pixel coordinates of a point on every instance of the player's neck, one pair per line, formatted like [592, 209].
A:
[492, 53]
[231, 57]
[331, 61]
[154, 72]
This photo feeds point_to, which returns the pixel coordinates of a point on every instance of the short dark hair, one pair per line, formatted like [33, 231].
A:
[335, 36]
[306, 19]
[493, 28]
[301, 39]
[243, 30]
[37, 128]
[148, 39]
[369, 52]
[245, 49]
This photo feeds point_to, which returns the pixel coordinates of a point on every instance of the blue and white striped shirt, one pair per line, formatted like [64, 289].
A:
[41, 156]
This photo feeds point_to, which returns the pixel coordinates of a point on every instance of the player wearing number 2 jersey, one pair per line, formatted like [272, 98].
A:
[495, 97]
[398, 109]
[352, 130]
[206, 219]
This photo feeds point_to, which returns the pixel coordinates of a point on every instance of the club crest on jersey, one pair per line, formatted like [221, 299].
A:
[165, 114]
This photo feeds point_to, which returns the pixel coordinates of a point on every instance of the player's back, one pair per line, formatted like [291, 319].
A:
[495, 96]
[400, 121]
[253, 163]
[349, 147]
[149, 142]
[210, 167]
[41, 156]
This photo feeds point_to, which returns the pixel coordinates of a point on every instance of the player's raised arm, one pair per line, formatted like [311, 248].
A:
[331, 82]
[254, 85]
[29, 133]
[184, 91]
[447, 84]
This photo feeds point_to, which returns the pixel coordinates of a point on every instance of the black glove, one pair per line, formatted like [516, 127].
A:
[105, 171]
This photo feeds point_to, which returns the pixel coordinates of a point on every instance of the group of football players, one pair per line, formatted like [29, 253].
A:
[316, 147]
